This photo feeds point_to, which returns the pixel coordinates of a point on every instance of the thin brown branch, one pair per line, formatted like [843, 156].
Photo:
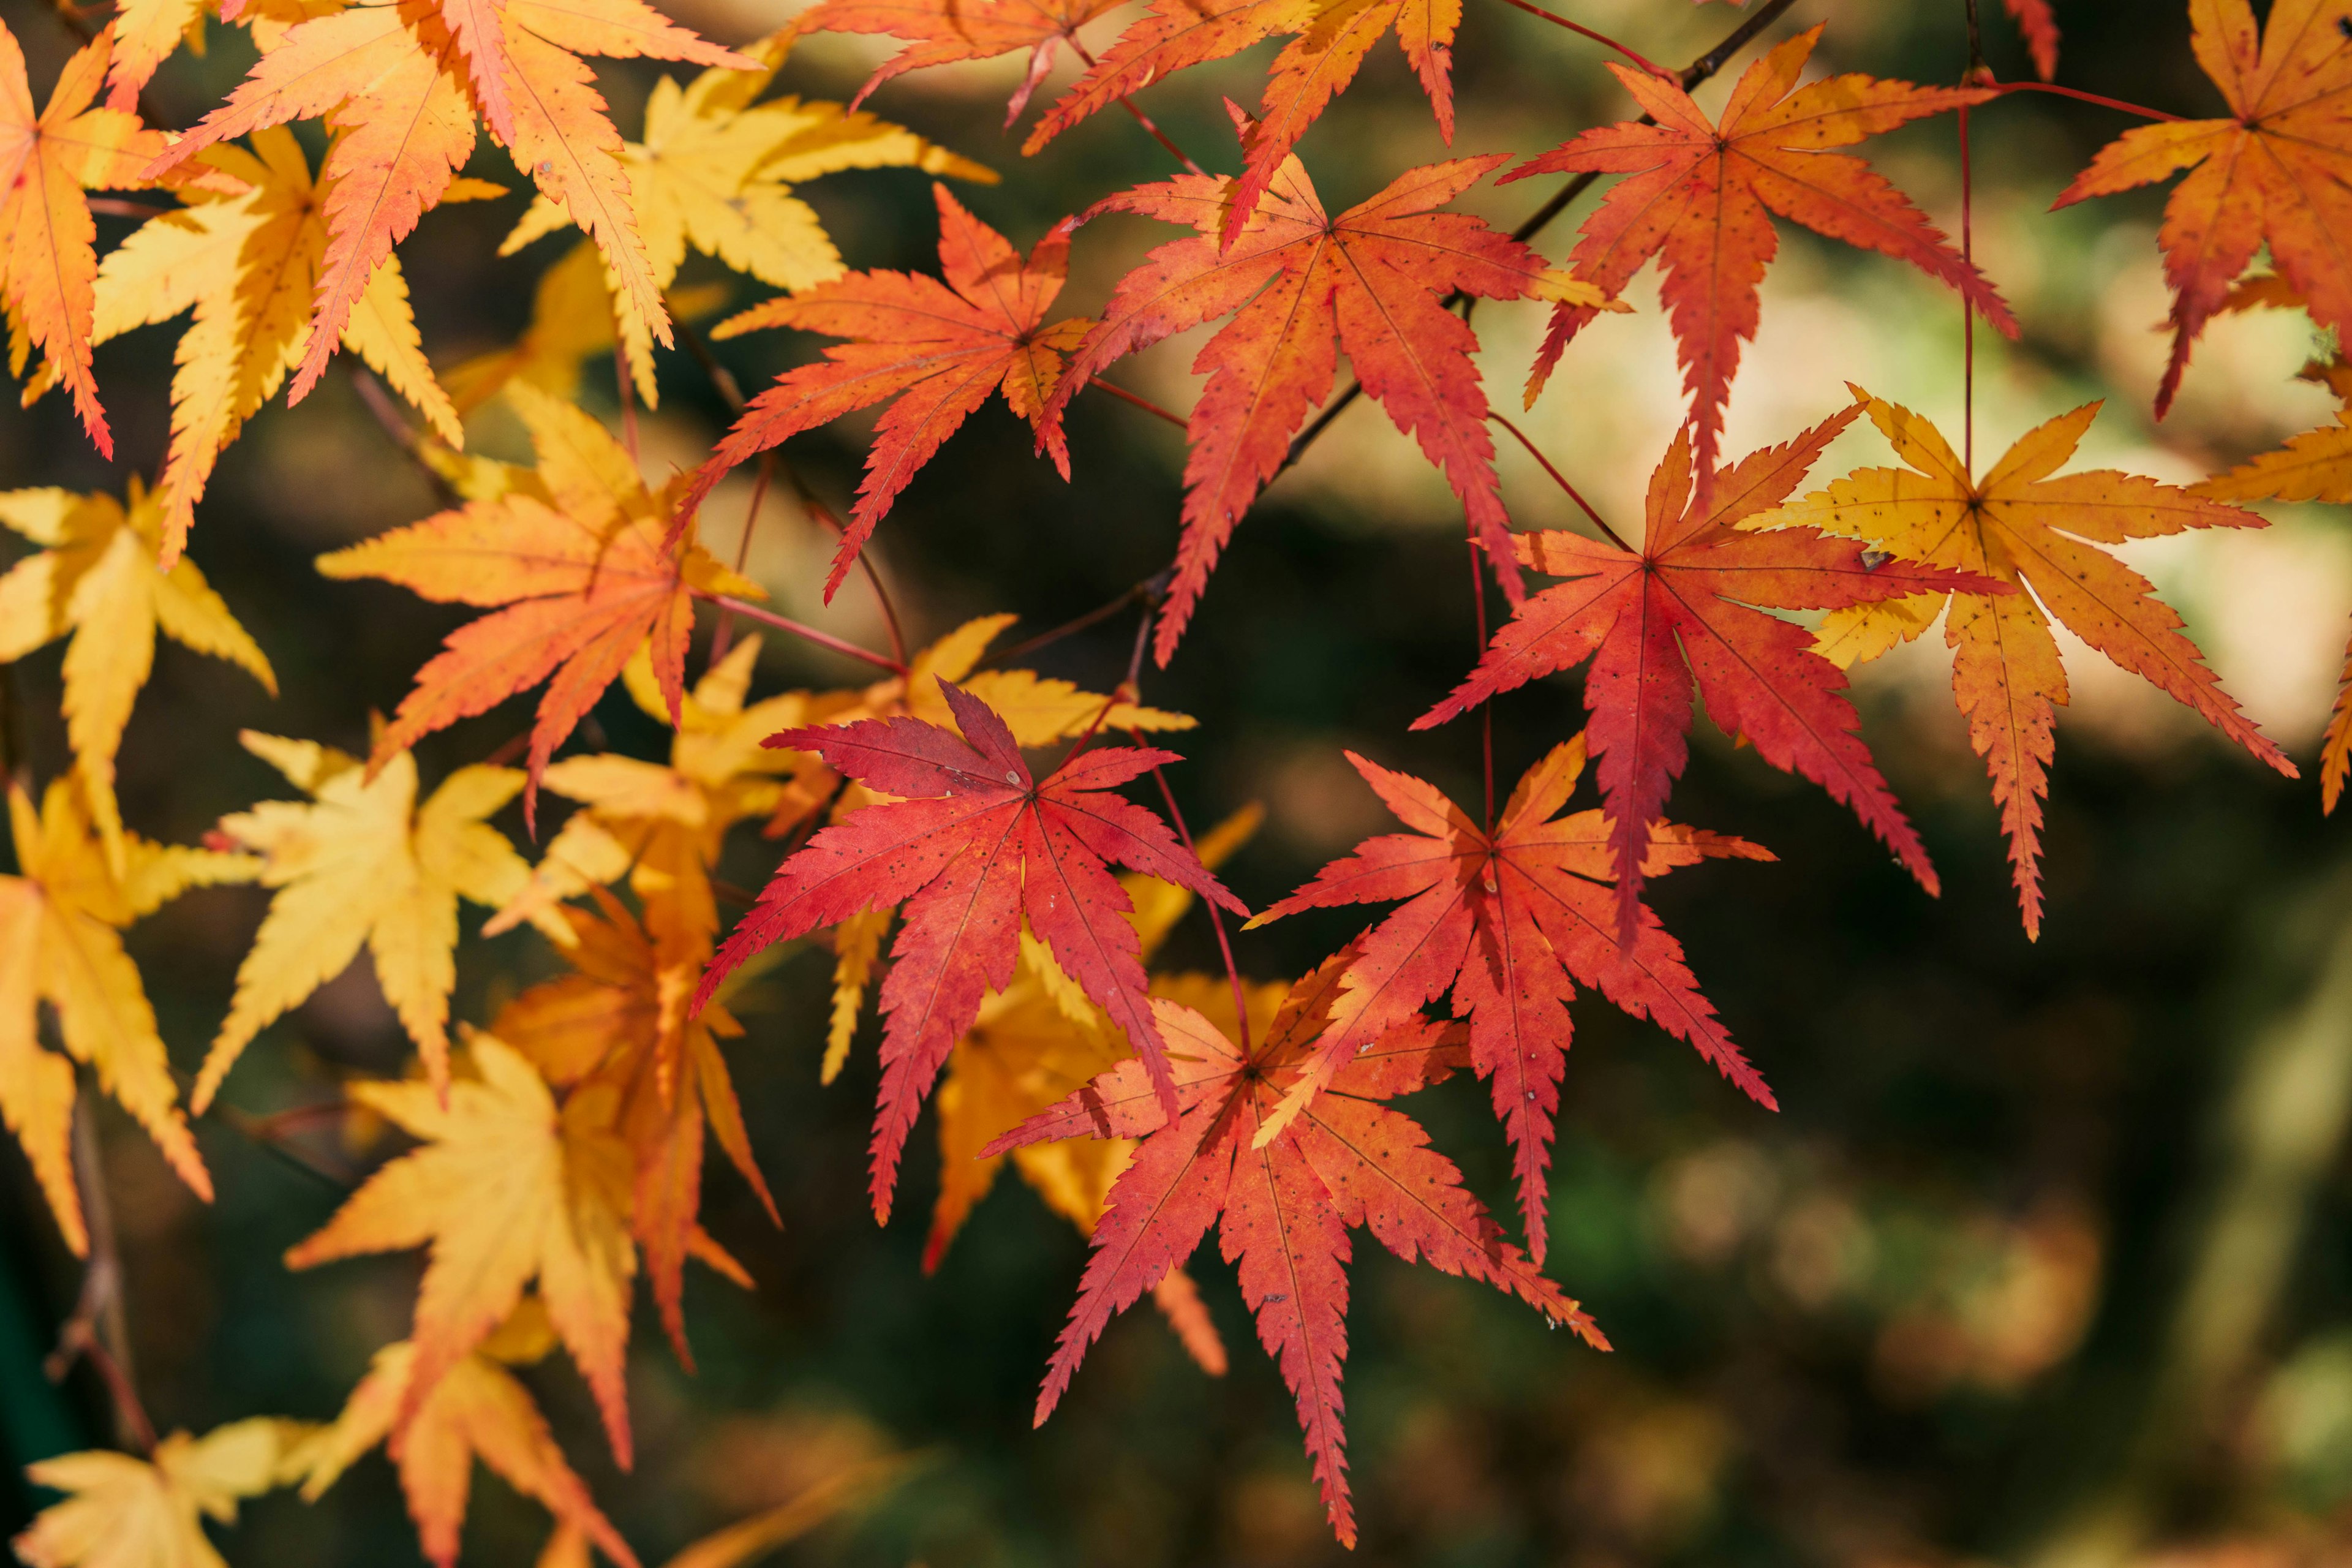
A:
[1698, 71]
[750, 611]
[1150, 590]
[723, 380]
[99, 1331]
[404, 435]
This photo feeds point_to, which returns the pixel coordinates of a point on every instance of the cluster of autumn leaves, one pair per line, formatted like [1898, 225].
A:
[561, 1143]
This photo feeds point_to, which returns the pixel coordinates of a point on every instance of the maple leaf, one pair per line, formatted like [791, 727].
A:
[577, 557]
[2039, 26]
[1510, 921]
[1372, 280]
[715, 174]
[400, 83]
[944, 32]
[1282, 1211]
[121, 1511]
[364, 861]
[2272, 174]
[973, 846]
[245, 262]
[2019, 526]
[1689, 612]
[618, 1025]
[508, 1187]
[1701, 195]
[61, 919]
[475, 1409]
[936, 349]
[48, 263]
[97, 579]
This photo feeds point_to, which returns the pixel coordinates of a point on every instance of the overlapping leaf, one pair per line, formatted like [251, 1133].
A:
[506, 1189]
[97, 579]
[1701, 195]
[577, 563]
[1687, 613]
[121, 1512]
[943, 32]
[61, 921]
[401, 83]
[48, 263]
[937, 348]
[476, 1409]
[2020, 526]
[974, 845]
[364, 863]
[1282, 1211]
[1510, 921]
[245, 263]
[2278, 172]
[1371, 281]
[715, 174]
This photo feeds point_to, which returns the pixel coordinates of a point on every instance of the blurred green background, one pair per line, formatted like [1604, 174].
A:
[2045, 1259]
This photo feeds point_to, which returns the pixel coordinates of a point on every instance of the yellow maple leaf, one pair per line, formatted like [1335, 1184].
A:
[96, 578]
[246, 262]
[476, 1409]
[508, 1188]
[618, 1025]
[61, 943]
[126, 1512]
[363, 862]
[715, 174]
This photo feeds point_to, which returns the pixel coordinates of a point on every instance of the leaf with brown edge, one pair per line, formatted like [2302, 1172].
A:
[399, 84]
[61, 922]
[1301, 285]
[936, 347]
[475, 1410]
[1689, 615]
[974, 845]
[576, 564]
[1701, 195]
[49, 260]
[2038, 535]
[1282, 1211]
[2274, 173]
[1511, 921]
[946, 32]
[506, 1189]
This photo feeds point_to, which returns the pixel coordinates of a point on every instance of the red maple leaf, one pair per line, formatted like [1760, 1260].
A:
[1702, 196]
[1682, 613]
[1283, 1211]
[1510, 919]
[1372, 281]
[2039, 26]
[943, 32]
[973, 844]
[940, 349]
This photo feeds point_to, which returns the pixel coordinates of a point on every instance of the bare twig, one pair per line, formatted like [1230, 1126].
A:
[396, 426]
[1150, 591]
[98, 1332]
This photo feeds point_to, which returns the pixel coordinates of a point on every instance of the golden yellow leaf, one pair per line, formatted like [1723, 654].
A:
[508, 1188]
[59, 943]
[96, 579]
[363, 862]
[126, 1512]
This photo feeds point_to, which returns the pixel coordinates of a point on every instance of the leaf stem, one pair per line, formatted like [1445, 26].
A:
[628, 391]
[1140, 117]
[387, 415]
[1698, 71]
[1153, 587]
[824, 515]
[723, 633]
[1487, 704]
[98, 1330]
[1562, 480]
[1149, 407]
[1602, 38]
[808, 634]
[118, 206]
[1216, 917]
[2121, 105]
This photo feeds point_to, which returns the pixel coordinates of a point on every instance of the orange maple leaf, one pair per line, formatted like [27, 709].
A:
[2274, 172]
[1701, 195]
[937, 348]
[400, 83]
[1687, 615]
[2019, 526]
[49, 260]
[578, 557]
[2039, 26]
[1371, 281]
[1282, 1211]
[943, 32]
